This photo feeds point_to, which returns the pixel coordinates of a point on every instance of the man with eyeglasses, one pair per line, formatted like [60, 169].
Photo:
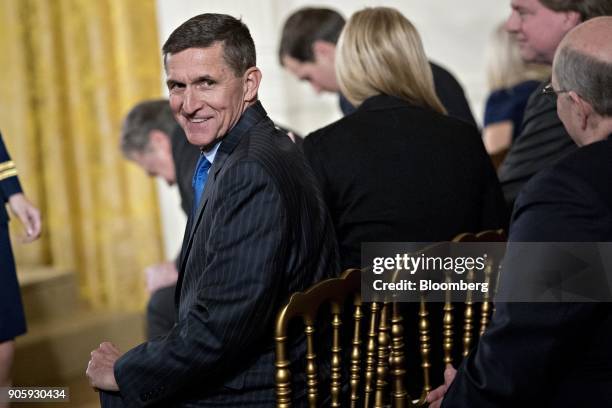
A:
[539, 26]
[556, 354]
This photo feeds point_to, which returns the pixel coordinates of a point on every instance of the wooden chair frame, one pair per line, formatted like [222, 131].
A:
[384, 351]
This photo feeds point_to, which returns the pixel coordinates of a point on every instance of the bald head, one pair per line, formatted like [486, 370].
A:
[583, 63]
[582, 77]
[592, 38]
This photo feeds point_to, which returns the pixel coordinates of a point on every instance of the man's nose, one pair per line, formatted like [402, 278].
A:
[512, 24]
[191, 101]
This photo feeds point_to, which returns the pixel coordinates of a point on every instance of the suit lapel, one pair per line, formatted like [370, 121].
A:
[220, 159]
[229, 143]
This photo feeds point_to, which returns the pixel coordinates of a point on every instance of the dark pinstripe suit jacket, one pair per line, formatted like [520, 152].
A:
[261, 233]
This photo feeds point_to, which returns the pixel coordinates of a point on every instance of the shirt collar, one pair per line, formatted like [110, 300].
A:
[211, 153]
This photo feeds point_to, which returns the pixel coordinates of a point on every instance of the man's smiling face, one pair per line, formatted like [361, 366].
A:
[206, 96]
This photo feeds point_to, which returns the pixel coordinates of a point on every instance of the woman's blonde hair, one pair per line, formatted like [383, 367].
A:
[380, 52]
[505, 67]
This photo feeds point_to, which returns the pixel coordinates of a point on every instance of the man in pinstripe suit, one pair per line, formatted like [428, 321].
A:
[259, 232]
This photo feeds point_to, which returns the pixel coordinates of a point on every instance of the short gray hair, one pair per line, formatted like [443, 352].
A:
[141, 120]
[205, 30]
[589, 77]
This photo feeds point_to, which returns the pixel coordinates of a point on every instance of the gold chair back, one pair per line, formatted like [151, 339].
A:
[379, 382]
[306, 306]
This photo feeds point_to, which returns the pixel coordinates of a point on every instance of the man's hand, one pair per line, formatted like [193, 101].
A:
[434, 398]
[160, 276]
[27, 214]
[100, 369]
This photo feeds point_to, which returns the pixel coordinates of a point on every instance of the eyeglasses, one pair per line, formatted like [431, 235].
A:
[551, 93]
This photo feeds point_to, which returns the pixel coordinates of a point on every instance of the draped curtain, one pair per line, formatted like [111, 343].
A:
[69, 71]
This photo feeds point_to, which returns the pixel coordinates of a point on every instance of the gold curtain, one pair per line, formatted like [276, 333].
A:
[69, 71]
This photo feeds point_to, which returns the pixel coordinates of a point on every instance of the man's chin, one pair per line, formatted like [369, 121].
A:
[529, 56]
[201, 140]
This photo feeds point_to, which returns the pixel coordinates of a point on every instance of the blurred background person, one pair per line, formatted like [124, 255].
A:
[399, 169]
[555, 354]
[511, 81]
[539, 26]
[308, 50]
[152, 139]
[12, 319]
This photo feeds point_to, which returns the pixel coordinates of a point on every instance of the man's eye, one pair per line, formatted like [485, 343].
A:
[175, 86]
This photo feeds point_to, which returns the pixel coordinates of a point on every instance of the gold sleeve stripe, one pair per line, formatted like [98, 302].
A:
[8, 173]
[7, 165]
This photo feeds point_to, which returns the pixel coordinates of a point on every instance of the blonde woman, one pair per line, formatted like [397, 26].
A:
[510, 81]
[398, 168]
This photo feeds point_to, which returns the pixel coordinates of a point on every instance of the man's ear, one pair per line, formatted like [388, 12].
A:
[572, 19]
[323, 49]
[252, 79]
[159, 140]
[582, 109]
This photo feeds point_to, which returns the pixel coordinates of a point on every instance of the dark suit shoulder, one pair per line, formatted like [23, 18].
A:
[385, 126]
[389, 113]
[570, 201]
[280, 158]
[267, 144]
[593, 164]
[589, 167]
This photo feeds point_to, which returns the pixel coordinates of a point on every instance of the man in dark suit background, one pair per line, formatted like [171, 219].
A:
[555, 354]
[151, 138]
[259, 231]
[308, 50]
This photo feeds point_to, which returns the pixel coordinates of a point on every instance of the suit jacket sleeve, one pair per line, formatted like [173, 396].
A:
[235, 304]
[9, 183]
[524, 348]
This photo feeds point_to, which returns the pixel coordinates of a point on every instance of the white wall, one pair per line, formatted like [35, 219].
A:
[454, 35]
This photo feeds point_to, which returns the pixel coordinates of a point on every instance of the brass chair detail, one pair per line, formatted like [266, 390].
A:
[376, 370]
[306, 305]
[485, 308]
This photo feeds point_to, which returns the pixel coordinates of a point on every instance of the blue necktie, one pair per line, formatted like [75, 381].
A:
[199, 181]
